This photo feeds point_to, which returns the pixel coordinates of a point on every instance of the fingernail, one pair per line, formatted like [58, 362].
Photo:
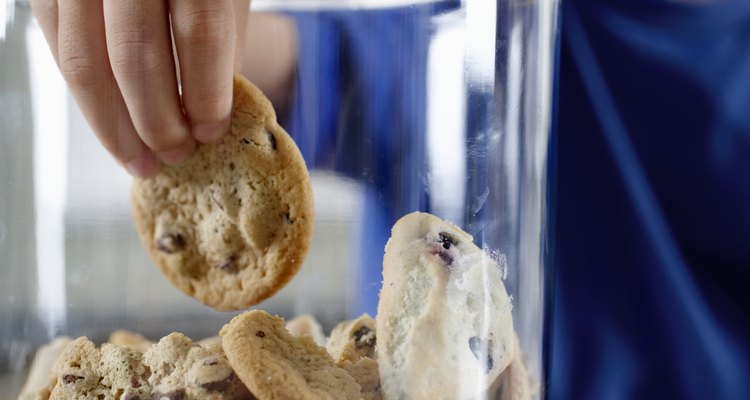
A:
[143, 167]
[178, 155]
[210, 132]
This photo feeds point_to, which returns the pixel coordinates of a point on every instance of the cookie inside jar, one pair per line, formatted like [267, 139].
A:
[386, 110]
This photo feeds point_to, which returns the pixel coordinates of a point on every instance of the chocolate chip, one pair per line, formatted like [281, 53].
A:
[481, 350]
[171, 242]
[173, 395]
[447, 258]
[219, 386]
[272, 139]
[363, 337]
[260, 334]
[447, 240]
[70, 379]
[134, 383]
[229, 265]
[245, 141]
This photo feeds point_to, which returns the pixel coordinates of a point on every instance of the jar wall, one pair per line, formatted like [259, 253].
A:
[436, 106]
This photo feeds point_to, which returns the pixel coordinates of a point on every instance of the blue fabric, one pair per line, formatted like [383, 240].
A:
[368, 97]
[653, 193]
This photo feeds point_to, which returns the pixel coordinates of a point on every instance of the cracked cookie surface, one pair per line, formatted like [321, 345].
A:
[352, 345]
[183, 369]
[110, 372]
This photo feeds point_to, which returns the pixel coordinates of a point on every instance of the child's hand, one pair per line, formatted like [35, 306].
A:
[118, 58]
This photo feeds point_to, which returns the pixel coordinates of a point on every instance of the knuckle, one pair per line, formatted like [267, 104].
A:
[114, 147]
[79, 70]
[159, 134]
[134, 52]
[207, 26]
[161, 144]
[123, 150]
[209, 106]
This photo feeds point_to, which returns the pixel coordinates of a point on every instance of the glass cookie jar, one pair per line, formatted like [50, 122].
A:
[397, 106]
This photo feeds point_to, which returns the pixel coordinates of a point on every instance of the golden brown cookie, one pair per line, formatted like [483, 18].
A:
[306, 324]
[210, 342]
[173, 368]
[365, 372]
[231, 225]
[352, 346]
[112, 372]
[353, 339]
[130, 339]
[42, 375]
[183, 369]
[274, 364]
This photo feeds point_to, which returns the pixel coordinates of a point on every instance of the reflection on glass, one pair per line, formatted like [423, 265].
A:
[397, 106]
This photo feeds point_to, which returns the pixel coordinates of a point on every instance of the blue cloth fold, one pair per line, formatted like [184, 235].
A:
[653, 195]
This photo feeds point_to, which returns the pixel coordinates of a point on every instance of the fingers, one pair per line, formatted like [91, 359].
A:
[205, 35]
[140, 52]
[117, 58]
[84, 63]
[272, 40]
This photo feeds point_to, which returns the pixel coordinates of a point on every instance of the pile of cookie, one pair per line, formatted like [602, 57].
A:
[256, 356]
[129, 366]
[230, 228]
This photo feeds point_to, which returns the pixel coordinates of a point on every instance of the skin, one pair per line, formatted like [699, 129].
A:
[125, 62]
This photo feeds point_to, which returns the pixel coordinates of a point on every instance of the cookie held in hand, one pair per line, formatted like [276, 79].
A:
[232, 225]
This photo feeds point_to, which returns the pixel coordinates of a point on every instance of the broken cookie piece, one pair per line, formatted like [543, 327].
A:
[353, 339]
[87, 372]
[444, 326]
[307, 325]
[183, 369]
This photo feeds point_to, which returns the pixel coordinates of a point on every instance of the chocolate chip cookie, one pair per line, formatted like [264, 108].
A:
[182, 369]
[307, 325]
[352, 346]
[232, 224]
[274, 364]
[353, 339]
[87, 372]
[130, 339]
[42, 376]
[444, 325]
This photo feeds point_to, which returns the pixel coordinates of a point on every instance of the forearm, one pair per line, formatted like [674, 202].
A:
[269, 55]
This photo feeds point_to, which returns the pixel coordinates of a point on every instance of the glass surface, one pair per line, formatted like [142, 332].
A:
[397, 106]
